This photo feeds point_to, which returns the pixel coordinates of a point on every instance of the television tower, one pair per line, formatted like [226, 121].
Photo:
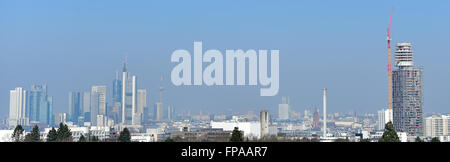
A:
[389, 69]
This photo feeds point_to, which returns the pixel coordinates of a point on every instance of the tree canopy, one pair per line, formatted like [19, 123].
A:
[34, 135]
[389, 135]
[435, 139]
[63, 133]
[52, 135]
[17, 134]
[236, 135]
[125, 135]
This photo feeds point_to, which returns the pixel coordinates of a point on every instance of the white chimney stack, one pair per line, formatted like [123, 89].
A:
[324, 112]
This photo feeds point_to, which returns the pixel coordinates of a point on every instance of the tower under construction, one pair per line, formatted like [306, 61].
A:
[407, 92]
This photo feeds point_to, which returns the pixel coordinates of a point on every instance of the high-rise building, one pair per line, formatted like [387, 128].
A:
[117, 89]
[60, 118]
[40, 105]
[316, 120]
[141, 103]
[170, 113]
[115, 113]
[436, 126]
[75, 106]
[407, 85]
[306, 114]
[383, 118]
[18, 107]
[98, 102]
[129, 97]
[101, 120]
[283, 110]
[264, 119]
[159, 111]
[87, 106]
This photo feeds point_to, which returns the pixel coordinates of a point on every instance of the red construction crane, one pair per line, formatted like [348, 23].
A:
[389, 68]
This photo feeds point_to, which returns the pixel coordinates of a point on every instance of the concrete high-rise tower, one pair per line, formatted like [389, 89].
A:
[18, 107]
[87, 106]
[159, 110]
[141, 105]
[407, 92]
[264, 119]
[283, 109]
[98, 102]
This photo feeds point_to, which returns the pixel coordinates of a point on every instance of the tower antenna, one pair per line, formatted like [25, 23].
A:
[161, 89]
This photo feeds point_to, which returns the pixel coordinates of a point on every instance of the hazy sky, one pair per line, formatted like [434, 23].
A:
[341, 45]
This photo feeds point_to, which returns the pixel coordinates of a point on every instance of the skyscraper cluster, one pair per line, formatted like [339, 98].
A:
[128, 106]
[33, 106]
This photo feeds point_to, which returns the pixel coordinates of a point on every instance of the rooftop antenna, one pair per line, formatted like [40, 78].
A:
[161, 89]
[117, 74]
[125, 64]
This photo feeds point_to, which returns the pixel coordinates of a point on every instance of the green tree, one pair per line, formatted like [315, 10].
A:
[52, 135]
[389, 135]
[169, 140]
[82, 138]
[34, 135]
[125, 135]
[236, 136]
[364, 140]
[93, 139]
[418, 139]
[342, 140]
[63, 133]
[435, 139]
[17, 134]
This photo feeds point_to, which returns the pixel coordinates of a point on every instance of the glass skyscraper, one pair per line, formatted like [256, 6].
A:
[129, 96]
[75, 106]
[40, 105]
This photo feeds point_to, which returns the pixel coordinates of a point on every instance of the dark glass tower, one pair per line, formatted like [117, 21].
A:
[75, 109]
[40, 105]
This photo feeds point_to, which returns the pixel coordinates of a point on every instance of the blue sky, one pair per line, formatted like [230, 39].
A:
[341, 45]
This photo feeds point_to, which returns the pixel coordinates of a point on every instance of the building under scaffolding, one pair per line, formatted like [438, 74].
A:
[407, 92]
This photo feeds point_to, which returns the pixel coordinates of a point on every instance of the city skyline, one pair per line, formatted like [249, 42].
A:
[73, 60]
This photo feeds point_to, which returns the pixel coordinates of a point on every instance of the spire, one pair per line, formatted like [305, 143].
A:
[125, 64]
[161, 89]
[117, 74]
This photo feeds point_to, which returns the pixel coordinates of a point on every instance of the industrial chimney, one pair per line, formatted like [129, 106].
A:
[324, 112]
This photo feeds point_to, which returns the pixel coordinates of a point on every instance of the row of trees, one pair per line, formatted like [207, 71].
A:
[236, 136]
[63, 134]
[389, 135]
